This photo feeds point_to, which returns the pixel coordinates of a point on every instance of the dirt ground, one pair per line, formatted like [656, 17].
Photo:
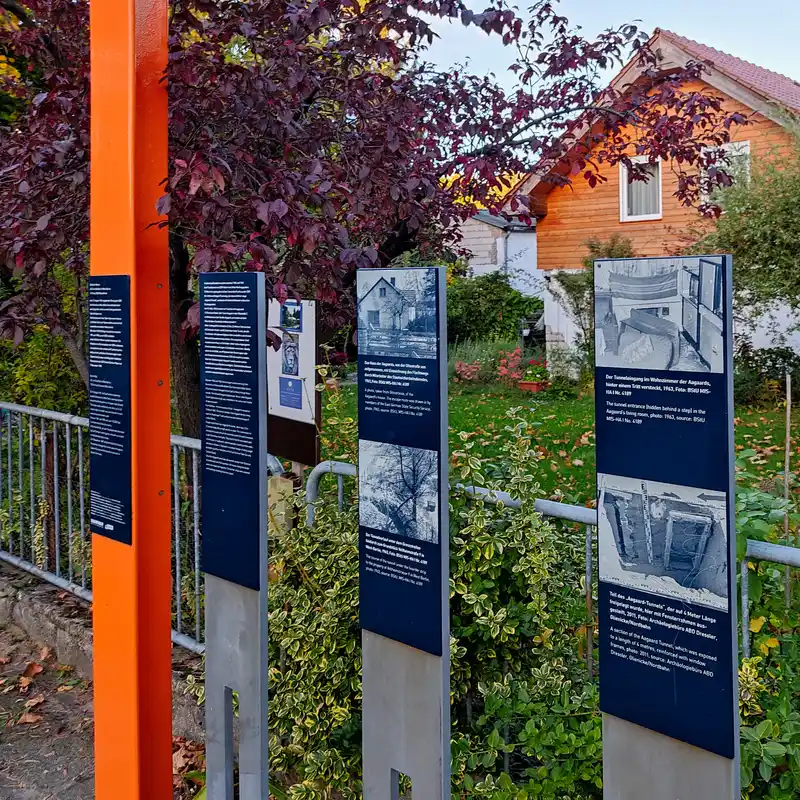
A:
[46, 729]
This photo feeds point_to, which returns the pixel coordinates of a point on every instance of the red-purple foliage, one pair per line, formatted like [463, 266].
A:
[306, 140]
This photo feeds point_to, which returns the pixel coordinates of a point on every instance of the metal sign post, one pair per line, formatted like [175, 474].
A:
[233, 379]
[404, 531]
[665, 522]
[129, 403]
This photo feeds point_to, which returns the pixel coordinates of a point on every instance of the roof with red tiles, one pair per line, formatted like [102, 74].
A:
[771, 85]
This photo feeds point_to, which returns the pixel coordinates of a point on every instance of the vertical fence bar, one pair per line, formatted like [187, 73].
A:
[589, 610]
[21, 486]
[3, 415]
[196, 522]
[31, 488]
[43, 446]
[340, 491]
[506, 730]
[745, 580]
[10, 483]
[56, 502]
[786, 465]
[82, 504]
[176, 512]
[68, 454]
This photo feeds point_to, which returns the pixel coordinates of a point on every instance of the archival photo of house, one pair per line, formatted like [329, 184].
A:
[397, 313]
[660, 314]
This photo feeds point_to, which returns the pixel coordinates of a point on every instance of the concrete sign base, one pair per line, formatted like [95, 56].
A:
[407, 729]
[236, 661]
[639, 763]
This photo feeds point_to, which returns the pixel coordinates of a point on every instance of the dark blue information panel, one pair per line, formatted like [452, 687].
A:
[665, 497]
[110, 406]
[402, 463]
[234, 419]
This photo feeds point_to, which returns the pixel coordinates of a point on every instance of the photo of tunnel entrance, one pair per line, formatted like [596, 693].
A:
[664, 538]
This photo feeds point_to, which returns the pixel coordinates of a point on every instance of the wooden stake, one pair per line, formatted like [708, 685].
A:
[786, 466]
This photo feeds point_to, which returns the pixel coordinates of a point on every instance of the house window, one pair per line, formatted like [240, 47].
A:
[374, 318]
[392, 281]
[382, 291]
[640, 199]
[736, 163]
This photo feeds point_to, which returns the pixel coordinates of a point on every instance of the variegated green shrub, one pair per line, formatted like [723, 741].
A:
[525, 719]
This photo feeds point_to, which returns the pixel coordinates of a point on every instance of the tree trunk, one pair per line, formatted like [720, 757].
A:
[76, 352]
[184, 350]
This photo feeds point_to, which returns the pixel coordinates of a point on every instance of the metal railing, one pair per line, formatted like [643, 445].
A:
[44, 503]
[756, 551]
[44, 507]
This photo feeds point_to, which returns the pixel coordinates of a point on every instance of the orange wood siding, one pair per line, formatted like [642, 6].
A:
[577, 213]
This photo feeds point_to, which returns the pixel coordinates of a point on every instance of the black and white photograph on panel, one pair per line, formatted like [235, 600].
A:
[399, 490]
[663, 538]
[397, 313]
[660, 314]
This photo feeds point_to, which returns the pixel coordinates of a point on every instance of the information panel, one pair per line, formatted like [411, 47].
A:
[664, 405]
[294, 402]
[110, 406]
[234, 418]
[402, 413]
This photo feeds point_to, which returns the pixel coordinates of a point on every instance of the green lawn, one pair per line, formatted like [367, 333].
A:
[566, 433]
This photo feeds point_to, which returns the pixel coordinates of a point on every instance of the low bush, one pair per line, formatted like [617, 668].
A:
[525, 716]
[487, 309]
[759, 375]
[477, 362]
[40, 373]
[769, 682]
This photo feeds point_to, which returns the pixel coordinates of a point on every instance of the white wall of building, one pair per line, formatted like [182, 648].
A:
[514, 252]
[493, 248]
[560, 328]
[521, 263]
[484, 242]
[772, 329]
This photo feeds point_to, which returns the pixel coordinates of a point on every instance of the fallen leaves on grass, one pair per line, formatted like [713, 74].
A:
[29, 719]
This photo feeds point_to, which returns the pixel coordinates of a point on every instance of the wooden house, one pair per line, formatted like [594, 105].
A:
[648, 213]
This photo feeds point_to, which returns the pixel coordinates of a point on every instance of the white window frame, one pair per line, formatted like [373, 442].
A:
[624, 185]
[744, 149]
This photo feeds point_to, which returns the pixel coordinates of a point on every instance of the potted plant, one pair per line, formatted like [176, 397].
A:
[536, 377]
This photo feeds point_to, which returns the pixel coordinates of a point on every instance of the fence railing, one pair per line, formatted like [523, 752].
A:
[756, 551]
[44, 506]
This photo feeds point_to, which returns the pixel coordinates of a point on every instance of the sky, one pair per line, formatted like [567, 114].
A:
[764, 33]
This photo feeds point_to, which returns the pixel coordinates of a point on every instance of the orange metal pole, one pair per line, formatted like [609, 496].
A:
[131, 583]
